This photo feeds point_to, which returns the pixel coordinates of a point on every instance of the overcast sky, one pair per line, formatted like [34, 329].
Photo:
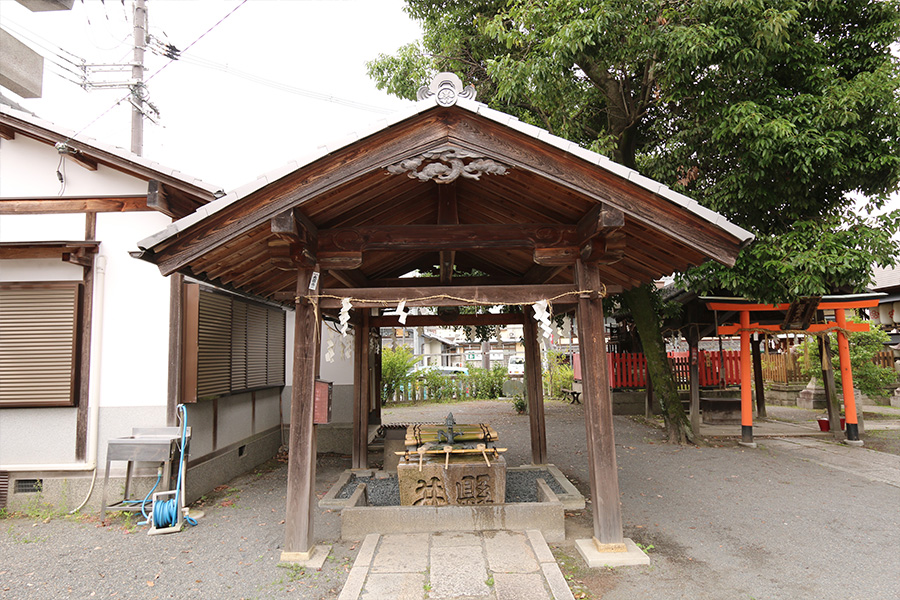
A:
[215, 122]
[218, 121]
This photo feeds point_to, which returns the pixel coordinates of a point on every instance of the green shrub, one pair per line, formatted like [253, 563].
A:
[485, 384]
[439, 387]
[559, 375]
[519, 404]
[396, 371]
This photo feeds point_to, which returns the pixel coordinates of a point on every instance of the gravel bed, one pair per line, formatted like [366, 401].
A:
[521, 486]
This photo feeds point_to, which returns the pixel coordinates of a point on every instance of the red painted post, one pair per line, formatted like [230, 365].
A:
[852, 423]
[746, 392]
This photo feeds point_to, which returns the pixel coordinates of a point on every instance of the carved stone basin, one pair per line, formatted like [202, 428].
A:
[465, 480]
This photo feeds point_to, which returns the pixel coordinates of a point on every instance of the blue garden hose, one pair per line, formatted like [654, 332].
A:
[165, 512]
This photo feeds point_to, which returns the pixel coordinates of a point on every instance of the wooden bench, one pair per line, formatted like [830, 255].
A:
[573, 396]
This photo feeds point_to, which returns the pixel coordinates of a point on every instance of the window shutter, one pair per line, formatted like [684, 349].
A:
[214, 345]
[238, 345]
[276, 347]
[257, 351]
[38, 341]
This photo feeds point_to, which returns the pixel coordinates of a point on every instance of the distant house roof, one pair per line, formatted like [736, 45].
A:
[886, 279]
[440, 339]
[178, 194]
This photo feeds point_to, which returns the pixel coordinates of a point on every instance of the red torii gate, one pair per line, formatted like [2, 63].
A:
[836, 303]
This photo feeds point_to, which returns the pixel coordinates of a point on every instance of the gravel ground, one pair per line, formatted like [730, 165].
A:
[521, 486]
[723, 522]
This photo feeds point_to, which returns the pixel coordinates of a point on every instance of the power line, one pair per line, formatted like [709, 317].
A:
[201, 62]
[158, 71]
[41, 42]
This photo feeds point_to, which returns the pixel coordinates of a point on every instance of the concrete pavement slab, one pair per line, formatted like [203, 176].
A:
[458, 571]
[401, 553]
[509, 552]
[447, 539]
[518, 586]
[394, 586]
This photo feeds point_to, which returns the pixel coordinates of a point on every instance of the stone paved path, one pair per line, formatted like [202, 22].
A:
[494, 565]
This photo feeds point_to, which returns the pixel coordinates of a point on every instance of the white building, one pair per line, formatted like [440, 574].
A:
[94, 342]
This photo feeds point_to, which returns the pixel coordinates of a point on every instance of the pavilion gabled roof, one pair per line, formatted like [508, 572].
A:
[460, 185]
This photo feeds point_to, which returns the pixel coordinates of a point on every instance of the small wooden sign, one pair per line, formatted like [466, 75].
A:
[322, 403]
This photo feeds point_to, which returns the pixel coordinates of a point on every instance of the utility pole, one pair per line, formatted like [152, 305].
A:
[137, 76]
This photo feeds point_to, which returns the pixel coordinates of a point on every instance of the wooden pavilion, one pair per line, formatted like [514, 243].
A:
[453, 183]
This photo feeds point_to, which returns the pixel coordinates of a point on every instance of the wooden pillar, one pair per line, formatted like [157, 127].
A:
[601, 446]
[87, 312]
[360, 458]
[852, 422]
[375, 416]
[693, 338]
[534, 391]
[746, 378]
[758, 382]
[298, 519]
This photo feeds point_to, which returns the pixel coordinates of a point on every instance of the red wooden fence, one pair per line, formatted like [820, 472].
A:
[628, 370]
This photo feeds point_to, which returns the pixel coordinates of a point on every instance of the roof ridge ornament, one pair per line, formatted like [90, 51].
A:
[446, 88]
[446, 164]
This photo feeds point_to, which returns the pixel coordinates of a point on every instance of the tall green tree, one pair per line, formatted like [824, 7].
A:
[771, 112]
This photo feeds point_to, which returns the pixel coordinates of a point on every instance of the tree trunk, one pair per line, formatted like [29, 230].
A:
[640, 301]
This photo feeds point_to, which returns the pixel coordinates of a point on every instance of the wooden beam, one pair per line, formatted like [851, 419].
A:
[554, 256]
[600, 235]
[600, 221]
[158, 198]
[605, 250]
[77, 204]
[79, 257]
[301, 491]
[449, 295]
[340, 261]
[7, 132]
[438, 320]
[61, 250]
[293, 227]
[601, 447]
[457, 281]
[437, 238]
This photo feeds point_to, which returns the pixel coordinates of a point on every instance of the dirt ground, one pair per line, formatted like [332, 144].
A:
[718, 522]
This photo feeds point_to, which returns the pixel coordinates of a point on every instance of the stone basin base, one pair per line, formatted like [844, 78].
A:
[546, 515]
